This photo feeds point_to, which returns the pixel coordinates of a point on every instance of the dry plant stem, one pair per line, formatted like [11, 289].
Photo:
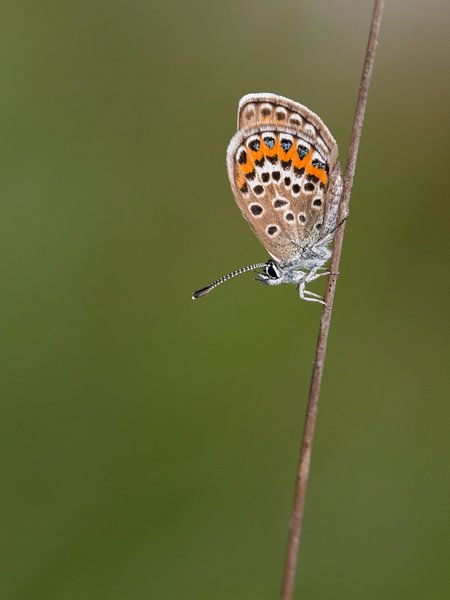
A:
[314, 392]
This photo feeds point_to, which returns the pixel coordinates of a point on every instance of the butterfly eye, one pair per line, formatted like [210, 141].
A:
[272, 271]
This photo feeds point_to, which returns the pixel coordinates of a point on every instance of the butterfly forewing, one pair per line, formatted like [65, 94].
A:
[282, 163]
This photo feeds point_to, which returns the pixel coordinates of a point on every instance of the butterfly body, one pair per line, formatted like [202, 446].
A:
[284, 173]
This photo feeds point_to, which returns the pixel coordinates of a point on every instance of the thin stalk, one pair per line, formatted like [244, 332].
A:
[295, 528]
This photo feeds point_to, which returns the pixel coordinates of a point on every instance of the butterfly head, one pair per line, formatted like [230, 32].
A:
[272, 274]
[275, 273]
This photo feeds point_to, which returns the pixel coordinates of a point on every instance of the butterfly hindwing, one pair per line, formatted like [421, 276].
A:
[282, 163]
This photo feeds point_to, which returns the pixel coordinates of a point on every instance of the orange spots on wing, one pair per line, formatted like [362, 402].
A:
[297, 163]
[248, 167]
[257, 154]
[306, 162]
[269, 152]
[286, 156]
[253, 156]
[302, 163]
[240, 181]
[321, 174]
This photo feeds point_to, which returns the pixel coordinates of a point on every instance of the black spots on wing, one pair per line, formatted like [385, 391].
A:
[279, 203]
[265, 111]
[260, 163]
[299, 172]
[287, 181]
[273, 159]
[256, 209]
[244, 189]
[254, 145]
[265, 177]
[286, 164]
[309, 187]
[296, 188]
[269, 142]
[318, 226]
[286, 144]
[312, 178]
[272, 229]
[317, 202]
[302, 151]
[302, 218]
[289, 216]
[258, 189]
[276, 175]
[242, 157]
[251, 176]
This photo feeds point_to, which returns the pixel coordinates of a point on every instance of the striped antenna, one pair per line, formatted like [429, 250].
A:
[214, 284]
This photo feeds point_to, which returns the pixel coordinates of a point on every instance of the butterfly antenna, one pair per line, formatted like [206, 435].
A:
[329, 236]
[339, 225]
[217, 282]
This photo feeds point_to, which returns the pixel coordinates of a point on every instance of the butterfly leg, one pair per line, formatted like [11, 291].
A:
[307, 295]
[313, 274]
[313, 295]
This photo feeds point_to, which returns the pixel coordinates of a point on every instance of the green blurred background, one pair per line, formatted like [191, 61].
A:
[148, 443]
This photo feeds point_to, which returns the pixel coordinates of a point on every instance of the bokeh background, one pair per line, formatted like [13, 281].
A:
[148, 443]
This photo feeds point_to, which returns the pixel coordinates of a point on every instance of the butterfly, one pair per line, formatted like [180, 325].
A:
[284, 173]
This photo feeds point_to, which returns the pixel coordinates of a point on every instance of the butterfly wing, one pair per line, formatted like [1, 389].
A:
[282, 164]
